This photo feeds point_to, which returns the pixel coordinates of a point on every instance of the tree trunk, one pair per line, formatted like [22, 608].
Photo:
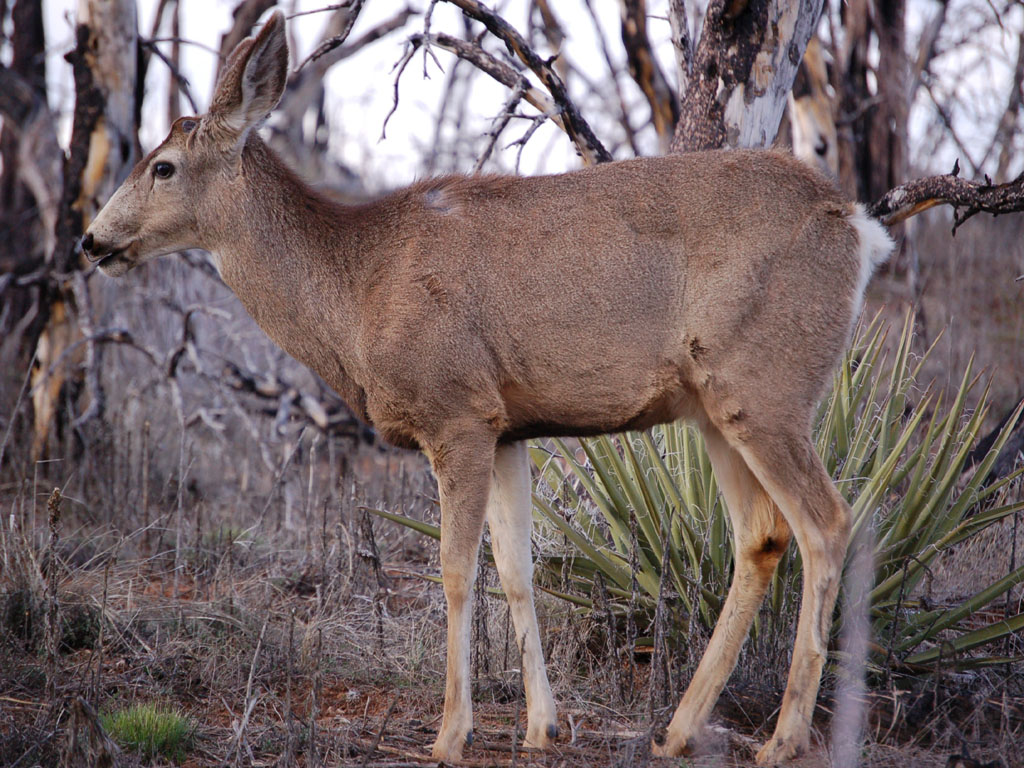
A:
[17, 201]
[743, 70]
[102, 152]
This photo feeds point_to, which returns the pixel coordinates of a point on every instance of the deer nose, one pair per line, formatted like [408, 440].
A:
[87, 242]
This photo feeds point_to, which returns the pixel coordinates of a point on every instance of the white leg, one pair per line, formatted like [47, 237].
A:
[510, 518]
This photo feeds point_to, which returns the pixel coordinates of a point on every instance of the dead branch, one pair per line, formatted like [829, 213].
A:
[967, 198]
[334, 42]
[177, 78]
[283, 400]
[644, 69]
[496, 68]
[613, 79]
[499, 124]
[587, 144]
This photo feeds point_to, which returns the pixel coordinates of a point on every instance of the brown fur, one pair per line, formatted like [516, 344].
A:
[464, 314]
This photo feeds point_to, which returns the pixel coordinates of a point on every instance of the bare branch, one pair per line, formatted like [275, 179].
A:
[329, 45]
[967, 198]
[644, 69]
[330, 416]
[587, 144]
[500, 123]
[326, 8]
[499, 70]
[176, 76]
[613, 78]
[486, 63]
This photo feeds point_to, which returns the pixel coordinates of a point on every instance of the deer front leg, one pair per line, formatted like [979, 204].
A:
[510, 518]
[462, 462]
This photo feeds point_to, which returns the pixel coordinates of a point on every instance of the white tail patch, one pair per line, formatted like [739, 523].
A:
[874, 249]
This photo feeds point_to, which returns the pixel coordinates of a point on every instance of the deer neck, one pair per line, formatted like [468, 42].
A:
[297, 261]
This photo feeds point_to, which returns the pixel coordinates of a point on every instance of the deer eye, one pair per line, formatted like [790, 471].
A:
[163, 170]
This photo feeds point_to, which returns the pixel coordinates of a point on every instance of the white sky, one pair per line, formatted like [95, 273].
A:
[360, 89]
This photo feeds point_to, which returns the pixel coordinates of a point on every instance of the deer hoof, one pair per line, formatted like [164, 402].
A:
[541, 736]
[448, 746]
[779, 751]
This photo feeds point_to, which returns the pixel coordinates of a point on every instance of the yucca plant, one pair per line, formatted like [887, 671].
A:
[643, 509]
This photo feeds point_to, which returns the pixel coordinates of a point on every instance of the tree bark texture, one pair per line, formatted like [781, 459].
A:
[743, 69]
[103, 135]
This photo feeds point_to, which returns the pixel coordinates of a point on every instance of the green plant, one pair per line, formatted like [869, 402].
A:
[150, 730]
[643, 509]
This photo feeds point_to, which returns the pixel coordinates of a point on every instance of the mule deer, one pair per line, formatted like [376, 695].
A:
[462, 316]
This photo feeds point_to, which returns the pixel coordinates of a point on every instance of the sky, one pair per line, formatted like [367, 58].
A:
[360, 89]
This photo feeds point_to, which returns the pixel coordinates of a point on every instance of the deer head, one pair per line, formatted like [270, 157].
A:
[174, 198]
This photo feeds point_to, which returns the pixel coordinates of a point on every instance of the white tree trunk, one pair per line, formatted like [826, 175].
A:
[743, 70]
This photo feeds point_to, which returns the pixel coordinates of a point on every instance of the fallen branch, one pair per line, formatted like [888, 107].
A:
[967, 198]
[283, 401]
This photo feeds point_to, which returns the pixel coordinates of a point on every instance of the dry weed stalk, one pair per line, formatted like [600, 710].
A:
[52, 607]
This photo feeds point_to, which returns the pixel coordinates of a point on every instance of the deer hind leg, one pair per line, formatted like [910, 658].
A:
[789, 468]
[760, 536]
[510, 519]
[462, 461]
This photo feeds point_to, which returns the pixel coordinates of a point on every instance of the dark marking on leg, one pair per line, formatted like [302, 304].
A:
[552, 731]
[772, 546]
[469, 739]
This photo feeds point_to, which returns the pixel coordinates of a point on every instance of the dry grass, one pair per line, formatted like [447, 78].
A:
[216, 558]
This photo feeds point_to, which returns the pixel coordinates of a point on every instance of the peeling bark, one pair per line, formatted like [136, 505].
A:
[743, 70]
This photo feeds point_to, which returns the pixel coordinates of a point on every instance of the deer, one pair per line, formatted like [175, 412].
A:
[464, 315]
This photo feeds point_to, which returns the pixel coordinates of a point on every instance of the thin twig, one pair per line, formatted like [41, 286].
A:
[330, 44]
[179, 78]
[380, 733]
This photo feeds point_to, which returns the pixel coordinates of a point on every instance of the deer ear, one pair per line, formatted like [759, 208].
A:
[252, 82]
